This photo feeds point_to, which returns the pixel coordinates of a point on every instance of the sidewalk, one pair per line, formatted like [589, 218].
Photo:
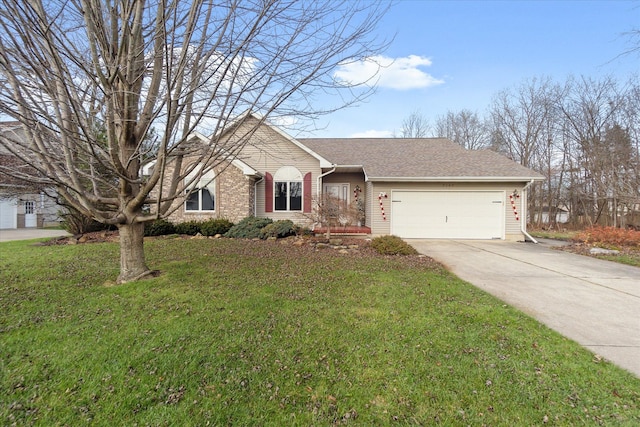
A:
[29, 234]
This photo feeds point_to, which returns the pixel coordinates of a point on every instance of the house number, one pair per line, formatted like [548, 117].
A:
[449, 185]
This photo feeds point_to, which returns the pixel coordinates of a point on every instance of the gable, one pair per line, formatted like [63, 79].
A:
[267, 149]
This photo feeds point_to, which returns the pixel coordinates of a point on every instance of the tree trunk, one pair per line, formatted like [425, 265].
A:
[132, 262]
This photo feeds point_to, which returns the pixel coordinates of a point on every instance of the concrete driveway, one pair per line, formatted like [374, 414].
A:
[29, 233]
[591, 301]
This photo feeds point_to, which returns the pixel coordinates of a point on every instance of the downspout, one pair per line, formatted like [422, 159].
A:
[255, 196]
[524, 209]
[319, 190]
[318, 187]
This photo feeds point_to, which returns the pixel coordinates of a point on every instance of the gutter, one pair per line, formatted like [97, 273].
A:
[318, 187]
[523, 224]
[450, 179]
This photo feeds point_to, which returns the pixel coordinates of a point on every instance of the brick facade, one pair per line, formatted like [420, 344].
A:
[234, 198]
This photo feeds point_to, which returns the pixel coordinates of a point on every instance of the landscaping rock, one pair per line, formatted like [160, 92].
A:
[601, 251]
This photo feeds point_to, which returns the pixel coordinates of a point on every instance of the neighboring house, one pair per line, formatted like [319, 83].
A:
[413, 188]
[22, 205]
[561, 215]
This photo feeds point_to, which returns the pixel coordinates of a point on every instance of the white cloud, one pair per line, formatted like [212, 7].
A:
[373, 134]
[399, 73]
[285, 122]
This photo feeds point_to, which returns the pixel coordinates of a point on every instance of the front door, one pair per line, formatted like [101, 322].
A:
[30, 217]
[339, 191]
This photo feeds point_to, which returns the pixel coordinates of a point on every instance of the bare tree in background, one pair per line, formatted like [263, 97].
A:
[523, 129]
[520, 120]
[90, 79]
[465, 128]
[601, 154]
[415, 126]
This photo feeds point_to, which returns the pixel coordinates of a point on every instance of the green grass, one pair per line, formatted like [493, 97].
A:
[557, 235]
[259, 333]
[628, 258]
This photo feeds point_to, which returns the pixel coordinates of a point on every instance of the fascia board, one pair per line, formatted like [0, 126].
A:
[456, 179]
[245, 168]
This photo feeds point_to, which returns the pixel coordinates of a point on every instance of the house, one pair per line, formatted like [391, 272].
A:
[21, 205]
[560, 213]
[413, 188]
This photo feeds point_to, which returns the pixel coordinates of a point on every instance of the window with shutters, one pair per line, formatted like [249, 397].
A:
[287, 189]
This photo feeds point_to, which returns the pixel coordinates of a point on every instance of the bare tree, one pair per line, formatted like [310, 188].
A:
[465, 128]
[90, 79]
[524, 129]
[520, 119]
[415, 126]
[590, 112]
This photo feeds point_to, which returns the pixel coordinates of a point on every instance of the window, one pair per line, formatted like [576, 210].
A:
[202, 197]
[287, 189]
[29, 208]
[338, 191]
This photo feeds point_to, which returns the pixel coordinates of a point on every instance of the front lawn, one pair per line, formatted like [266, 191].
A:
[254, 333]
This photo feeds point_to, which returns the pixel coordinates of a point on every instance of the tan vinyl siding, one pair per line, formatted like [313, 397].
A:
[268, 151]
[369, 205]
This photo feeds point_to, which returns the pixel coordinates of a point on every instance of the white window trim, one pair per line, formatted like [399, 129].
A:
[208, 182]
[288, 198]
[288, 174]
[345, 191]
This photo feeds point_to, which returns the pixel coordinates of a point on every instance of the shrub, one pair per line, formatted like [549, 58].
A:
[303, 231]
[248, 228]
[215, 226]
[73, 222]
[282, 228]
[159, 227]
[190, 228]
[392, 245]
[609, 237]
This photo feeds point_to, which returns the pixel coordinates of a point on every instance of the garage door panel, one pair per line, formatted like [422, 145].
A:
[8, 213]
[459, 215]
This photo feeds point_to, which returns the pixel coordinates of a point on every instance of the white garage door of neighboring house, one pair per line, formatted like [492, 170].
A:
[448, 214]
[8, 214]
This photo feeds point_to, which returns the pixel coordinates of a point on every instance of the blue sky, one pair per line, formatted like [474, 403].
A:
[454, 55]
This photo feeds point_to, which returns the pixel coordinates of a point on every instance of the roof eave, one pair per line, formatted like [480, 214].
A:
[455, 178]
[245, 168]
[348, 168]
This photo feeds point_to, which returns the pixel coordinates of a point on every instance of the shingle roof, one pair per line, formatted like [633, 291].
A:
[418, 159]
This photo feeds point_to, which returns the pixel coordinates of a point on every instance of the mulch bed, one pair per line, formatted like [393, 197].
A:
[357, 246]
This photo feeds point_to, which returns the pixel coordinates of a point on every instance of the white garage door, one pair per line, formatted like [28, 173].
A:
[448, 214]
[8, 214]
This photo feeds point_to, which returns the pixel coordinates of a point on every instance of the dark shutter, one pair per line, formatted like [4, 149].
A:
[268, 192]
[306, 185]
